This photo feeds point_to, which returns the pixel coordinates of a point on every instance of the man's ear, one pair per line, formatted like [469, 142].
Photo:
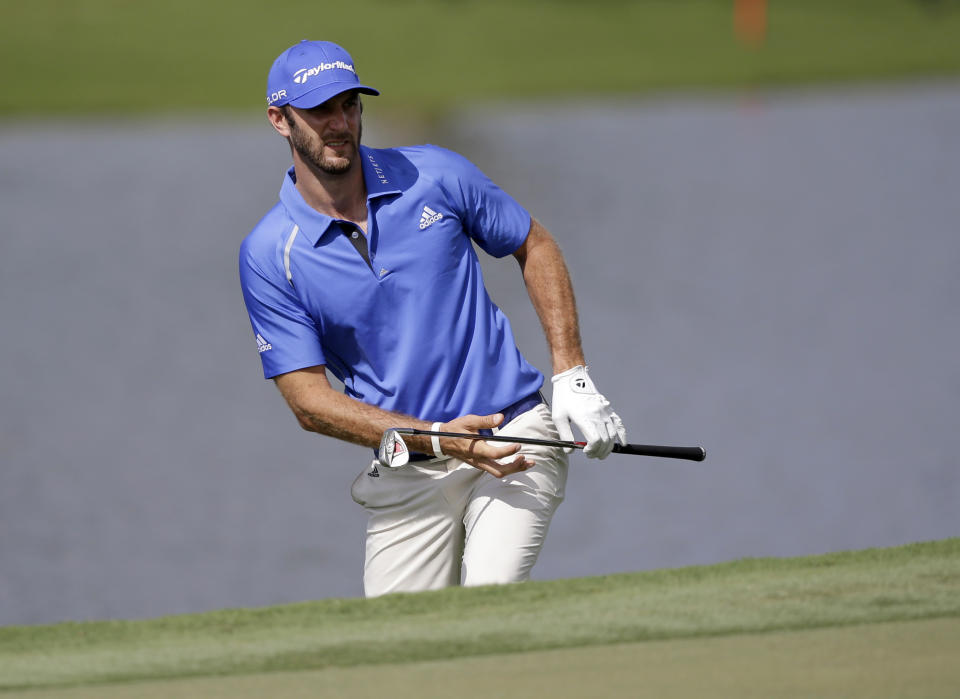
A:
[278, 120]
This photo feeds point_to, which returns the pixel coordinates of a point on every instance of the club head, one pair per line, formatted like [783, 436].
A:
[393, 451]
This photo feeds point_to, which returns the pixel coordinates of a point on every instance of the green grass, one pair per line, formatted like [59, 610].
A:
[920, 581]
[109, 56]
[902, 659]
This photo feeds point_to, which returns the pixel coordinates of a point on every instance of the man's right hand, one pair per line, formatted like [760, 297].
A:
[494, 459]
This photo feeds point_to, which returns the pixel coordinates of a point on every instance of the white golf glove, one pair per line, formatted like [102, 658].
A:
[576, 400]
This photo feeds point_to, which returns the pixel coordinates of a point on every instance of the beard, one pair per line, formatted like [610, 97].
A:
[312, 150]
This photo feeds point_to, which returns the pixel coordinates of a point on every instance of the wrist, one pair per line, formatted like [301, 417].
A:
[570, 371]
[435, 441]
[566, 363]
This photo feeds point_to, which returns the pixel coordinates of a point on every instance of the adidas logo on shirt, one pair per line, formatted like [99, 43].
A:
[429, 217]
[263, 345]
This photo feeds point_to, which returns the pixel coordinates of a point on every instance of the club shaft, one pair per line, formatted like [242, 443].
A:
[667, 452]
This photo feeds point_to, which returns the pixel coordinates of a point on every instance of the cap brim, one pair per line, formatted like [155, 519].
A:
[324, 92]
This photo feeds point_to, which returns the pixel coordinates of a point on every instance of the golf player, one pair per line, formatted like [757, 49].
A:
[366, 269]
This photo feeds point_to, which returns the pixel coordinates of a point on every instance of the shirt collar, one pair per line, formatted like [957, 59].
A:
[376, 174]
[312, 223]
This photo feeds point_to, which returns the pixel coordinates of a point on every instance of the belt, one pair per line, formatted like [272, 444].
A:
[509, 413]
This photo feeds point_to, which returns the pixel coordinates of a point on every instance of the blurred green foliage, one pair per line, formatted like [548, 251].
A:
[103, 56]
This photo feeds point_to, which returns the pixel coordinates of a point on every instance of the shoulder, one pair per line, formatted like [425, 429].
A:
[443, 168]
[408, 166]
[262, 249]
[431, 158]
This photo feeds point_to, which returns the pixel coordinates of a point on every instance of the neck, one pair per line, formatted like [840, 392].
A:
[341, 196]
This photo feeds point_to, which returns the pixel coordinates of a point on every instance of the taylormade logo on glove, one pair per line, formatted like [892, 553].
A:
[576, 401]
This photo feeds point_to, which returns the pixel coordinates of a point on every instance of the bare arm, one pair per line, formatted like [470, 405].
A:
[548, 283]
[320, 408]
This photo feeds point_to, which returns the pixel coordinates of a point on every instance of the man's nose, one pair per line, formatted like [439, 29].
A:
[338, 118]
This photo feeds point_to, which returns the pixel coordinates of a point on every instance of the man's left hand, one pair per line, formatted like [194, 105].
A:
[577, 401]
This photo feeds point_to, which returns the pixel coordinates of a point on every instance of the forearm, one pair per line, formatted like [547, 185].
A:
[320, 408]
[551, 292]
[575, 399]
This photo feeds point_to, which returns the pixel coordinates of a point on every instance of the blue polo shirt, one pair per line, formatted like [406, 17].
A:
[410, 328]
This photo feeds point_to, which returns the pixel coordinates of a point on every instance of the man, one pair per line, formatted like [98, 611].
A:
[365, 269]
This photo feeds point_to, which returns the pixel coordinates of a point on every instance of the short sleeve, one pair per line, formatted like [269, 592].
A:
[491, 217]
[287, 337]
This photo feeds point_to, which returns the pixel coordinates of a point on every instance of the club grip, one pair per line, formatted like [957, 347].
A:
[689, 453]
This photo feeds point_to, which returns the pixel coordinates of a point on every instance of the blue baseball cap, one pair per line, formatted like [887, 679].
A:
[310, 73]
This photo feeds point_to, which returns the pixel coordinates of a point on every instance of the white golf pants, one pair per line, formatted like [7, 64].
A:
[433, 524]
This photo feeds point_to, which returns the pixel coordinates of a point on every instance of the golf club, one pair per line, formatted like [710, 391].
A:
[393, 450]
